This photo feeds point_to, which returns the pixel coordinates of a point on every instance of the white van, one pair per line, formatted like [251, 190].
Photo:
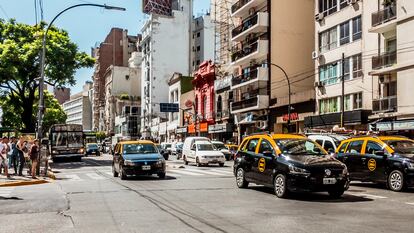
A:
[328, 141]
[204, 153]
[188, 143]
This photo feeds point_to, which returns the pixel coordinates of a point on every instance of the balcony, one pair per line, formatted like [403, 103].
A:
[384, 60]
[256, 23]
[386, 104]
[250, 104]
[242, 7]
[224, 114]
[256, 74]
[256, 49]
[384, 20]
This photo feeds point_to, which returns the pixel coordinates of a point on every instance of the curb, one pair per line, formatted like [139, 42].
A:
[51, 174]
[23, 183]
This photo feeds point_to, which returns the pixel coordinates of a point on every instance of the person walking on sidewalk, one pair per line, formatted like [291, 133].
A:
[14, 155]
[21, 149]
[4, 148]
[34, 157]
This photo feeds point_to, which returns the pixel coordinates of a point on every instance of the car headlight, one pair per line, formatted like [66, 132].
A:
[55, 152]
[297, 170]
[128, 163]
[80, 150]
[345, 171]
[159, 163]
[410, 165]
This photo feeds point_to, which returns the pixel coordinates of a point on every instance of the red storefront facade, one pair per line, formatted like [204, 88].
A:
[203, 84]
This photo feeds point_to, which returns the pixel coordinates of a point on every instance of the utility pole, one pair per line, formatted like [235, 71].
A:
[343, 91]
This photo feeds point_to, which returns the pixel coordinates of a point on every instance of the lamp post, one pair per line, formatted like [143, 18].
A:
[289, 97]
[42, 64]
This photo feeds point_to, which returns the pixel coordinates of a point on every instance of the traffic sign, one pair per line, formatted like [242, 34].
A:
[169, 107]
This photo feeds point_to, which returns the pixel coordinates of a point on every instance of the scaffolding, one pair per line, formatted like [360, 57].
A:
[160, 7]
[223, 24]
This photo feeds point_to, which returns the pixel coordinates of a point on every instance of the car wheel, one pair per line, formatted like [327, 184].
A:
[279, 185]
[240, 179]
[336, 193]
[122, 173]
[198, 162]
[396, 181]
[221, 164]
[161, 175]
[114, 172]
[185, 160]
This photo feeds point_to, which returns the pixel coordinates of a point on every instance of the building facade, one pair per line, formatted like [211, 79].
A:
[79, 107]
[202, 40]
[62, 94]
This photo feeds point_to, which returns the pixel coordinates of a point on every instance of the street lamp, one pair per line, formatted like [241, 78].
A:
[42, 64]
[289, 97]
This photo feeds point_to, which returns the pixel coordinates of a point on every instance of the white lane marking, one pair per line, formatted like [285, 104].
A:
[206, 172]
[95, 176]
[222, 171]
[185, 172]
[109, 173]
[368, 195]
[409, 203]
[73, 177]
[5, 192]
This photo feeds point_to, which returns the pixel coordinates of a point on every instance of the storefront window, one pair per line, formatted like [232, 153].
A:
[329, 105]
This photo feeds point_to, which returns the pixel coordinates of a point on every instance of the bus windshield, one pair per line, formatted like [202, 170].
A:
[67, 139]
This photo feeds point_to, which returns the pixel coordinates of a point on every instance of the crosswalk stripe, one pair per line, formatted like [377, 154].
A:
[5, 192]
[368, 195]
[206, 172]
[95, 176]
[185, 172]
[109, 173]
[223, 171]
[73, 177]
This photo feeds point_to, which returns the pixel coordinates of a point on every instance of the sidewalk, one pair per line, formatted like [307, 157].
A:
[21, 180]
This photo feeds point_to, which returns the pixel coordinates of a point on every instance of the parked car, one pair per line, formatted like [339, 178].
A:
[386, 159]
[287, 163]
[204, 153]
[92, 149]
[177, 149]
[137, 158]
[188, 143]
[221, 147]
[329, 142]
[166, 150]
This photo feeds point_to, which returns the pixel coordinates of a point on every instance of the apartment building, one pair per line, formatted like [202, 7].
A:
[250, 84]
[62, 94]
[79, 107]
[202, 40]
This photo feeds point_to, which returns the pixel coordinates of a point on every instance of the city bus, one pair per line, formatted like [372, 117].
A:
[66, 141]
[89, 137]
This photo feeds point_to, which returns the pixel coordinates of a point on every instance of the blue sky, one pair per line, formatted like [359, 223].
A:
[86, 25]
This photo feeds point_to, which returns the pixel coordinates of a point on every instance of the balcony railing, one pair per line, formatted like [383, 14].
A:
[246, 24]
[387, 104]
[384, 60]
[387, 14]
[239, 4]
[245, 77]
[247, 48]
[247, 103]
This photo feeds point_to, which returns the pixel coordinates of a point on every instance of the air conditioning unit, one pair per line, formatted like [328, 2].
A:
[315, 55]
[319, 17]
[261, 124]
[318, 84]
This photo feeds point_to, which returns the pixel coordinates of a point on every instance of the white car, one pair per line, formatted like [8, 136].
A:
[204, 153]
[221, 147]
[329, 142]
[188, 143]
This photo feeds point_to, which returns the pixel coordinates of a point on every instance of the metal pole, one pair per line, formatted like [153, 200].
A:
[289, 94]
[43, 57]
[343, 91]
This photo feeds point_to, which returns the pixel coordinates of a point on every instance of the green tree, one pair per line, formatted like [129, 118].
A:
[20, 46]
[54, 113]
[100, 135]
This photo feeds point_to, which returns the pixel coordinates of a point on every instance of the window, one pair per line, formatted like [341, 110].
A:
[328, 74]
[252, 145]
[328, 105]
[328, 7]
[357, 66]
[347, 75]
[372, 147]
[205, 107]
[344, 33]
[356, 28]
[219, 104]
[357, 101]
[343, 147]
[265, 146]
[329, 146]
[348, 103]
[328, 39]
[355, 147]
[343, 4]
[198, 34]
[198, 48]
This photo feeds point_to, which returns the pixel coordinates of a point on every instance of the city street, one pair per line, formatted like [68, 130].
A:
[87, 198]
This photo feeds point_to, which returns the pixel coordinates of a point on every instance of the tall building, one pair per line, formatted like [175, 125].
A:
[115, 50]
[202, 40]
[79, 107]
[62, 94]
[166, 48]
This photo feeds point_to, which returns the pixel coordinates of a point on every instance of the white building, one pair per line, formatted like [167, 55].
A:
[202, 40]
[79, 107]
[166, 49]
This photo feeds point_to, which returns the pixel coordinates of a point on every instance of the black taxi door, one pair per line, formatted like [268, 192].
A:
[374, 162]
[352, 159]
[250, 159]
[266, 162]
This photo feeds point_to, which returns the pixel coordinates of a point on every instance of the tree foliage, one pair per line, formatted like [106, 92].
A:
[100, 135]
[20, 47]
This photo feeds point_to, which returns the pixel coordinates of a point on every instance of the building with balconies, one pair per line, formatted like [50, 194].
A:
[79, 107]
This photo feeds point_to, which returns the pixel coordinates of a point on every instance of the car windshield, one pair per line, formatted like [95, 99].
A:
[205, 147]
[299, 147]
[338, 139]
[219, 146]
[167, 145]
[401, 146]
[139, 149]
[92, 146]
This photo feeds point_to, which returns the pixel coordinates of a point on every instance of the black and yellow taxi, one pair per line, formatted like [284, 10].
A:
[383, 159]
[288, 162]
[137, 158]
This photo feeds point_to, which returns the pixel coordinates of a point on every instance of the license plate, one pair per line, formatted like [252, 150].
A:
[329, 180]
[146, 167]
[214, 161]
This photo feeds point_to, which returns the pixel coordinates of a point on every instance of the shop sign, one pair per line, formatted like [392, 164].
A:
[219, 128]
[222, 83]
[384, 126]
[293, 116]
[203, 127]
[181, 130]
[191, 128]
[403, 125]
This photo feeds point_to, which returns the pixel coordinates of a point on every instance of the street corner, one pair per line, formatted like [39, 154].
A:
[21, 181]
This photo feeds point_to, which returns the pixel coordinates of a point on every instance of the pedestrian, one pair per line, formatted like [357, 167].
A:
[34, 157]
[14, 155]
[4, 148]
[21, 149]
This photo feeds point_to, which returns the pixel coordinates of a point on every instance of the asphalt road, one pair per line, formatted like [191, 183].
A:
[86, 198]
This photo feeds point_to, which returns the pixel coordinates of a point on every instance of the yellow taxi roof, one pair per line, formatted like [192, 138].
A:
[386, 138]
[287, 136]
[137, 142]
